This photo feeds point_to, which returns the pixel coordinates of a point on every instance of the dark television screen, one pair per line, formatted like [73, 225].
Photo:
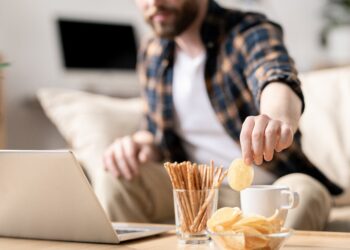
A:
[93, 45]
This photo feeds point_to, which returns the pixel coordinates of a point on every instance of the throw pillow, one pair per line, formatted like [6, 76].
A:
[90, 122]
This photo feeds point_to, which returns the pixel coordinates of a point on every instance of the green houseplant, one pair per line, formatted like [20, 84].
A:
[4, 65]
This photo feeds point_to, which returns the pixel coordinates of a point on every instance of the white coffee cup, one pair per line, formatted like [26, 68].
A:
[266, 199]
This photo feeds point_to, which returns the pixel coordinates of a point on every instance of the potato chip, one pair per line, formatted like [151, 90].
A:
[238, 242]
[229, 243]
[275, 221]
[260, 224]
[256, 242]
[240, 175]
[253, 238]
[224, 217]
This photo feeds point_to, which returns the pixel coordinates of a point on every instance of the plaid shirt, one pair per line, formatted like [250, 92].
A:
[245, 52]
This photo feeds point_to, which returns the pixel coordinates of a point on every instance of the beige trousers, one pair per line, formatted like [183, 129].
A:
[148, 198]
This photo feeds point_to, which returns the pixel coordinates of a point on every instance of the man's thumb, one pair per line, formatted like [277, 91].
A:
[144, 155]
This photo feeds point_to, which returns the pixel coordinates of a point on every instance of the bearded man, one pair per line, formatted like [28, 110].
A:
[217, 84]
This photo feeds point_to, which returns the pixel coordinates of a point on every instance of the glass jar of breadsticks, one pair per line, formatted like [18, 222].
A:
[195, 190]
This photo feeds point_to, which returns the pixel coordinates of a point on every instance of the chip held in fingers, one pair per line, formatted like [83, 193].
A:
[240, 175]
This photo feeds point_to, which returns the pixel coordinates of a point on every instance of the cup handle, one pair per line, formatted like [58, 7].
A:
[293, 198]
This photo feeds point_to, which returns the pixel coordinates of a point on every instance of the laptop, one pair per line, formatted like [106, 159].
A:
[45, 195]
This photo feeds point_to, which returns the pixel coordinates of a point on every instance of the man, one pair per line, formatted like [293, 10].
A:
[217, 84]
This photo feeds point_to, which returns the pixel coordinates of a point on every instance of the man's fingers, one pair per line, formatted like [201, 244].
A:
[261, 136]
[246, 140]
[146, 154]
[124, 156]
[272, 134]
[258, 138]
[123, 166]
[129, 148]
[286, 138]
[146, 143]
[109, 162]
[143, 137]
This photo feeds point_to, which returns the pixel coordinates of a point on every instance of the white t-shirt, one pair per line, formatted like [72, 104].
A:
[203, 136]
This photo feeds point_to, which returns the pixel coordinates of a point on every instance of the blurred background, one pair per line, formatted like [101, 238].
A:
[91, 45]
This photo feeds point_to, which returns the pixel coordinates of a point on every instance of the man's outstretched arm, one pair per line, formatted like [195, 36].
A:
[274, 128]
[272, 78]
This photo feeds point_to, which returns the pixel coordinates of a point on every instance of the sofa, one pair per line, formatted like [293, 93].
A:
[90, 122]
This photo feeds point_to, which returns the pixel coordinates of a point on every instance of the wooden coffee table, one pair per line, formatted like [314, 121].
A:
[300, 240]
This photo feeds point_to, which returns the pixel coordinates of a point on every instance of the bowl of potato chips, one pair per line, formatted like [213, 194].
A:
[250, 240]
[230, 229]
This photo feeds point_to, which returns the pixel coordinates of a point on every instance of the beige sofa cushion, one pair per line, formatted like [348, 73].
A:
[326, 124]
[89, 122]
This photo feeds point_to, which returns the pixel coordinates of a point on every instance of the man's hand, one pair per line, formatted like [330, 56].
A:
[124, 157]
[261, 136]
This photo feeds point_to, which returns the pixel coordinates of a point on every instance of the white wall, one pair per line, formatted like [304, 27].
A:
[28, 40]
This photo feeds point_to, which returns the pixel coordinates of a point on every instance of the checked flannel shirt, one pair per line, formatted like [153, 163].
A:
[245, 52]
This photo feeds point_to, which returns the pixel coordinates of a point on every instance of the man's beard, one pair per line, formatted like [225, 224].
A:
[181, 18]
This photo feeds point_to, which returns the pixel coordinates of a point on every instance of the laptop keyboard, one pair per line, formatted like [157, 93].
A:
[126, 231]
